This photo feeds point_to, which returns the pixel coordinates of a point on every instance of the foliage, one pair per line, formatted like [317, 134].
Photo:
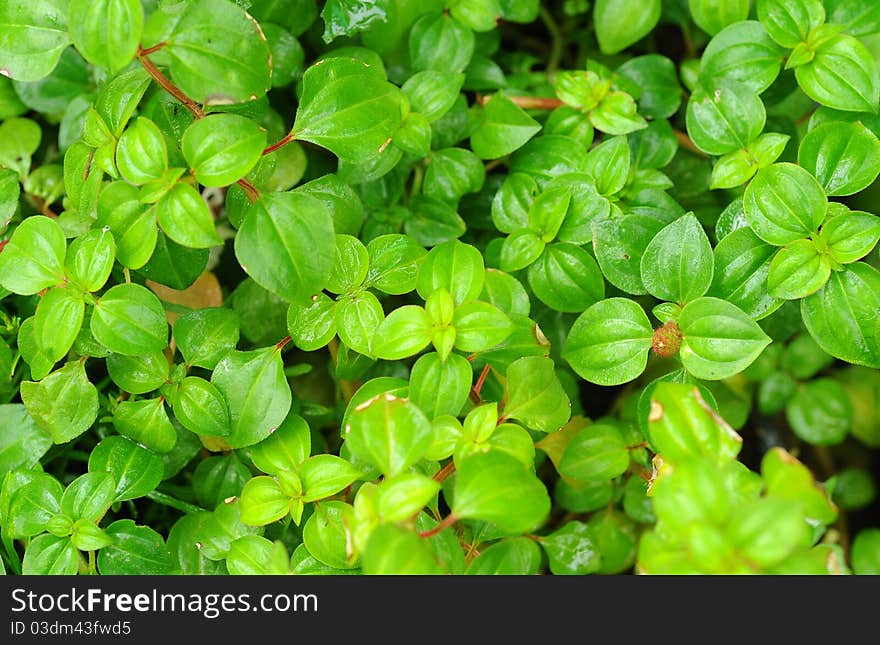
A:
[427, 286]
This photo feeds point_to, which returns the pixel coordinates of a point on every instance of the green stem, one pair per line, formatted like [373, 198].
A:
[12, 555]
[173, 502]
[93, 565]
[555, 41]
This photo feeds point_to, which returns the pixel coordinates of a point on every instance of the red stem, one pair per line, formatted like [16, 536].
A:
[280, 144]
[445, 472]
[153, 49]
[194, 108]
[280, 344]
[449, 520]
[252, 193]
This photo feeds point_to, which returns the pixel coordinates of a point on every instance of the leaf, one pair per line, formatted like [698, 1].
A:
[22, 441]
[136, 470]
[352, 112]
[49, 555]
[388, 432]
[132, 223]
[784, 203]
[432, 93]
[350, 266]
[432, 221]
[535, 396]
[479, 326]
[678, 264]
[284, 449]
[394, 263]
[724, 119]
[404, 332]
[440, 387]
[146, 422]
[486, 482]
[326, 535]
[357, 318]
[453, 173]
[136, 550]
[201, 408]
[32, 504]
[851, 236]
[218, 478]
[798, 270]
[139, 374]
[820, 412]
[714, 15]
[57, 322]
[608, 343]
[439, 42]
[348, 17]
[65, 403]
[789, 23]
[572, 550]
[88, 496]
[256, 391]
[230, 66]
[742, 264]
[621, 23]
[743, 53]
[454, 266]
[222, 148]
[842, 75]
[719, 340]
[204, 336]
[263, 502]
[287, 245]
[185, 218]
[841, 317]
[325, 475]
[33, 259]
[860, 18]
[312, 326]
[503, 128]
[395, 551]
[609, 165]
[33, 36]
[767, 530]
[596, 452]
[90, 259]
[681, 426]
[511, 556]
[129, 319]
[566, 278]
[106, 33]
[657, 78]
[844, 157]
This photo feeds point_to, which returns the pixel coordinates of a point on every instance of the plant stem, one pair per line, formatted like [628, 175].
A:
[555, 42]
[685, 142]
[280, 143]
[449, 520]
[250, 190]
[173, 502]
[444, 472]
[530, 102]
[194, 108]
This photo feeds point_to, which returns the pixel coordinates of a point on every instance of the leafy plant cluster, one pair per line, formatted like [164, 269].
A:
[439, 286]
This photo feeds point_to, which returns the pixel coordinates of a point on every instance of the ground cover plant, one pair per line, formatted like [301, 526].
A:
[461, 287]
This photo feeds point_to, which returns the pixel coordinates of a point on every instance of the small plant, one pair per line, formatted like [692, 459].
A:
[427, 286]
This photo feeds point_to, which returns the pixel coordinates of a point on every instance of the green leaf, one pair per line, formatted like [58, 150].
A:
[255, 555]
[395, 551]
[348, 109]
[22, 441]
[232, 66]
[312, 325]
[535, 396]
[452, 173]
[263, 502]
[742, 264]
[479, 326]
[788, 22]
[57, 322]
[714, 15]
[784, 203]
[851, 236]
[844, 157]
[388, 432]
[608, 343]
[432, 93]
[340, 199]
[842, 75]
[503, 128]
[404, 332]
[440, 387]
[142, 154]
[129, 319]
[49, 555]
[617, 114]
[820, 412]
[768, 530]
[201, 408]
[350, 266]
[33, 36]
[90, 259]
[681, 425]
[185, 218]
[798, 270]
[866, 552]
[719, 339]
[566, 278]
[609, 165]
[287, 245]
[724, 119]
[394, 263]
[485, 483]
[454, 266]
[136, 470]
[432, 221]
[348, 17]
[284, 449]
[132, 223]
[621, 23]
[20, 139]
[741, 53]
[204, 336]
[256, 391]
[357, 318]
[139, 374]
[841, 317]
[136, 550]
[597, 452]
[678, 264]
[401, 497]
[511, 556]
[65, 403]
[513, 201]
[572, 550]
[33, 259]
[89, 496]
[520, 249]
[32, 505]
[439, 42]
[222, 148]
[657, 78]
[326, 535]
[860, 18]
[325, 475]
[146, 422]
[107, 32]
[218, 478]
